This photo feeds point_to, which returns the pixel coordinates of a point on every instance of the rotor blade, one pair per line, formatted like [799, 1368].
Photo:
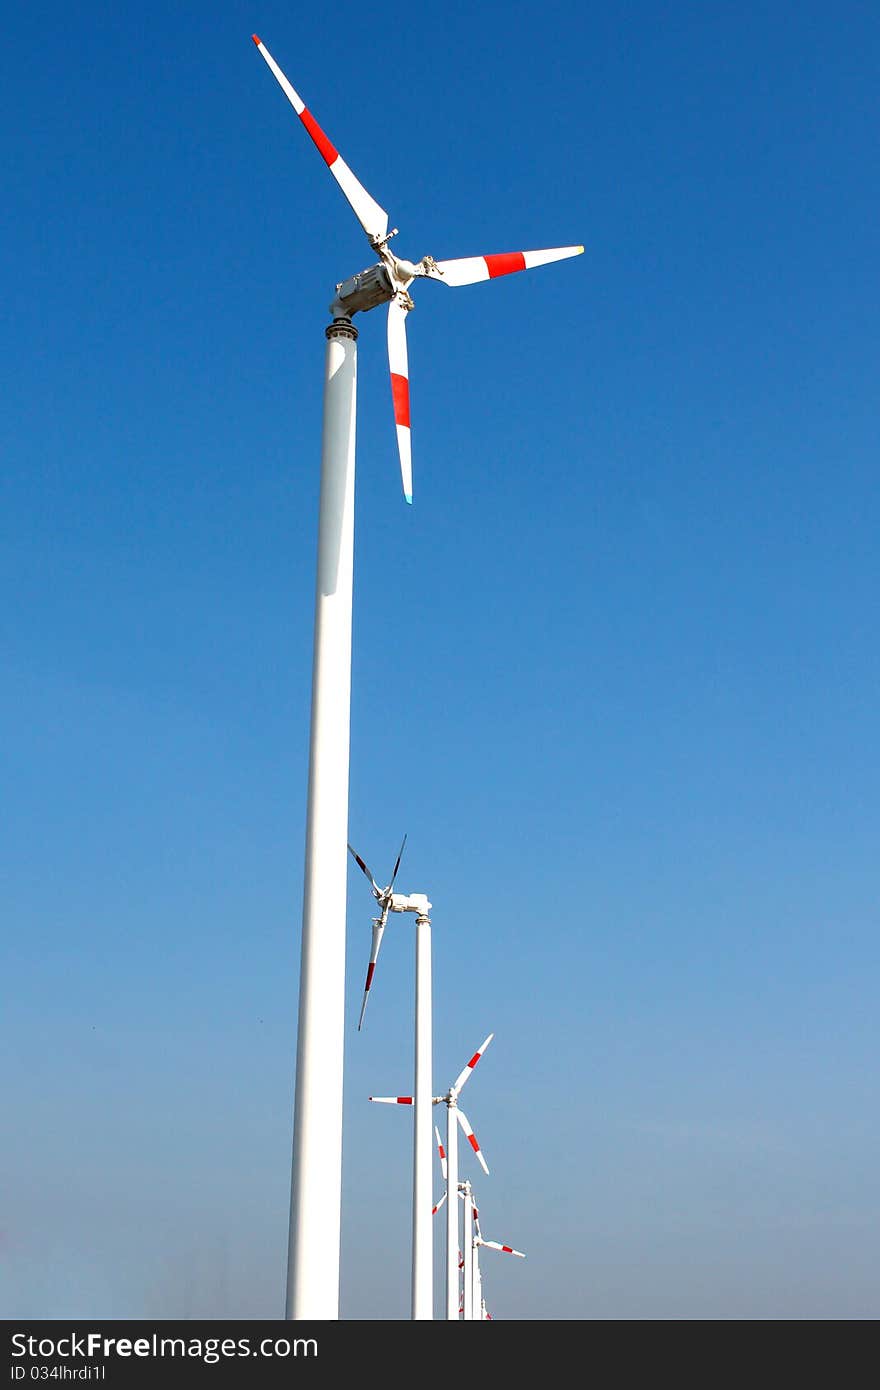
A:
[505, 1249]
[378, 933]
[470, 269]
[476, 1220]
[472, 1139]
[391, 1100]
[442, 1153]
[397, 865]
[397, 360]
[377, 891]
[435, 1209]
[371, 216]
[466, 1071]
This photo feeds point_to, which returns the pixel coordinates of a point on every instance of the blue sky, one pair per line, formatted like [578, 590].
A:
[615, 671]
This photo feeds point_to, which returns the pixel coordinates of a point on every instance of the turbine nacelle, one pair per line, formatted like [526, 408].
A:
[389, 278]
[362, 291]
[412, 902]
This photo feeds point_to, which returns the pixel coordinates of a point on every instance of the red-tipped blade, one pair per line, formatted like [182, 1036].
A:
[472, 1139]
[397, 863]
[442, 1152]
[391, 1100]
[465, 1073]
[505, 1249]
[468, 270]
[378, 932]
[372, 217]
[399, 364]
[377, 891]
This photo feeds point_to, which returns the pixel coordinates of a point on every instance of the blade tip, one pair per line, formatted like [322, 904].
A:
[257, 40]
[407, 497]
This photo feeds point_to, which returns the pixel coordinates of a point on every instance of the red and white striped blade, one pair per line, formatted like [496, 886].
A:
[377, 891]
[372, 217]
[470, 269]
[378, 933]
[442, 1152]
[505, 1249]
[472, 1139]
[434, 1210]
[476, 1219]
[397, 865]
[466, 1071]
[397, 361]
[391, 1100]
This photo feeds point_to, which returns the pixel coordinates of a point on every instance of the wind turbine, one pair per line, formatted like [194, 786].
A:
[455, 1117]
[474, 1304]
[316, 1178]
[477, 1302]
[422, 1241]
[449, 1164]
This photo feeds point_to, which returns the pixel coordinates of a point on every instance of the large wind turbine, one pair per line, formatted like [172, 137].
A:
[316, 1184]
[422, 1236]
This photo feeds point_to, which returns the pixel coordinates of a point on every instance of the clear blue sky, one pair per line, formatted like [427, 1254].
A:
[615, 672]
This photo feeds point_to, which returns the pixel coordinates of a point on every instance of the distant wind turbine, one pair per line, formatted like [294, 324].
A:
[422, 1233]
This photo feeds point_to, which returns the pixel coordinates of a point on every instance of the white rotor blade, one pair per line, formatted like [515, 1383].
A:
[466, 1071]
[439, 1204]
[397, 864]
[442, 1152]
[505, 1249]
[378, 933]
[476, 1219]
[397, 361]
[470, 269]
[472, 1139]
[391, 1100]
[377, 891]
[372, 217]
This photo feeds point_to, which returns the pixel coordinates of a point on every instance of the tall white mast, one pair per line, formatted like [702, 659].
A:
[452, 1206]
[423, 1230]
[468, 1254]
[316, 1184]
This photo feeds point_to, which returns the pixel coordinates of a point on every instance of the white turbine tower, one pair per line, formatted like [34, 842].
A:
[316, 1183]
[422, 1235]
